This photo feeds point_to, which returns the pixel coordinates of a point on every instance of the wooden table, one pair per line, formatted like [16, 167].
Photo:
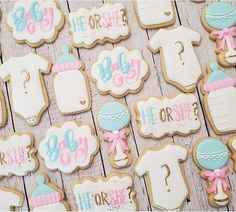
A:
[187, 15]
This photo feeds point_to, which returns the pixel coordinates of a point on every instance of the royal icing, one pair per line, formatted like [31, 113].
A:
[17, 155]
[47, 197]
[162, 116]
[180, 63]
[70, 84]
[35, 22]
[219, 95]
[28, 92]
[167, 188]
[113, 119]
[120, 71]
[211, 156]
[3, 110]
[154, 14]
[232, 146]
[10, 198]
[98, 25]
[112, 193]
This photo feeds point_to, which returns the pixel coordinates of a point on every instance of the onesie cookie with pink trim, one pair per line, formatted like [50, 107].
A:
[35, 22]
[70, 84]
[47, 196]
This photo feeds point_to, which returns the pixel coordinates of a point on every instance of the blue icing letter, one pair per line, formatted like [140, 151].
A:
[70, 142]
[37, 15]
[19, 20]
[105, 69]
[84, 201]
[147, 116]
[52, 150]
[123, 65]
[78, 24]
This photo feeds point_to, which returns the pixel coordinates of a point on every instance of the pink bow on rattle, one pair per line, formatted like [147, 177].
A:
[215, 176]
[222, 35]
[115, 137]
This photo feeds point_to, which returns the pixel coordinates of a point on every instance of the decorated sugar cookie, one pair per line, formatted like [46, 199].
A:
[28, 91]
[154, 14]
[211, 157]
[70, 84]
[167, 187]
[10, 198]
[3, 110]
[90, 27]
[120, 71]
[68, 147]
[113, 118]
[35, 22]
[47, 196]
[179, 62]
[160, 116]
[112, 193]
[219, 19]
[219, 100]
[232, 146]
[17, 155]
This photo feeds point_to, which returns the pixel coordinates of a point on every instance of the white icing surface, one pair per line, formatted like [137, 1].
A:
[28, 98]
[183, 68]
[52, 207]
[154, 164]
[8, 199]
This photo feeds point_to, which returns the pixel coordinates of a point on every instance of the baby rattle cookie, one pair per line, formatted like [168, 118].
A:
[120, 71]
[232, 146]
[219, 100]
[219, 19]
[47, 196]
[113, 118]
[35, 22]
[167, 188]
[70, 84]
[211, 156]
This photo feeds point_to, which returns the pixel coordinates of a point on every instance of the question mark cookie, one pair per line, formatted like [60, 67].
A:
[211, 156]
[112, 193]
[232, 146]
[35, 22]
[28, 92]
[160, 116]
[167, 188]
[179, 62]
[90, 27]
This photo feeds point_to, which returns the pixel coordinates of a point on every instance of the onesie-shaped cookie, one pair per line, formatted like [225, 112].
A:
[219, 18]
[167, 187]
[211, 156]
[232, 146]
[70, 84]
[28, 92]
[179, 62]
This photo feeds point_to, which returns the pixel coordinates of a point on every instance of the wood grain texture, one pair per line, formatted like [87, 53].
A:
[187, 15]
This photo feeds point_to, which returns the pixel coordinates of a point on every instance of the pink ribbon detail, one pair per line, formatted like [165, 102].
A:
[222, 35]
[215, 176]
[116, 137]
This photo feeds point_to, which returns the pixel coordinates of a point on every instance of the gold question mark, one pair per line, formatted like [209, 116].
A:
[123, 15]
[129, 188]
[195, 109]
[181, 50]
[27, 79]
[168, 174]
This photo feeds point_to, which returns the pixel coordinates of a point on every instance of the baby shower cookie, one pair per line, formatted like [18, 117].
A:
[219, 19]
[179, 62]
[3, 110]
[47, 196]
[35, 22]
[120, 71]
[160, 116]
[167, 188]
[17, 155]
[112, 193]
[10, 198]
[154, 14]
[90, 27]
[232, 146]
[211, 157]
[114, 118]
[219, 100]
[70, 84]
[69, 147]
[28, 92]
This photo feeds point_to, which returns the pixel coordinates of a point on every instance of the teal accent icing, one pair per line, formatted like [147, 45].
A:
[66, 56]
[220, 15]
[216, 74]
[212, 154]
[113, 116]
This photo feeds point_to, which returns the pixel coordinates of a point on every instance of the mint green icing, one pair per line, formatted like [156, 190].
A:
[66, 56]
[216, 74]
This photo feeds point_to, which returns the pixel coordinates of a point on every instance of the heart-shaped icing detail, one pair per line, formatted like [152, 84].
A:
[82, 102]
[167, 13]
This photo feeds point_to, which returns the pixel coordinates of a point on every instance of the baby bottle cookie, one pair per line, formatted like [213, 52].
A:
[211, 156]
[219, 100]
[219, 18]
[113, 119]
[70, 84]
